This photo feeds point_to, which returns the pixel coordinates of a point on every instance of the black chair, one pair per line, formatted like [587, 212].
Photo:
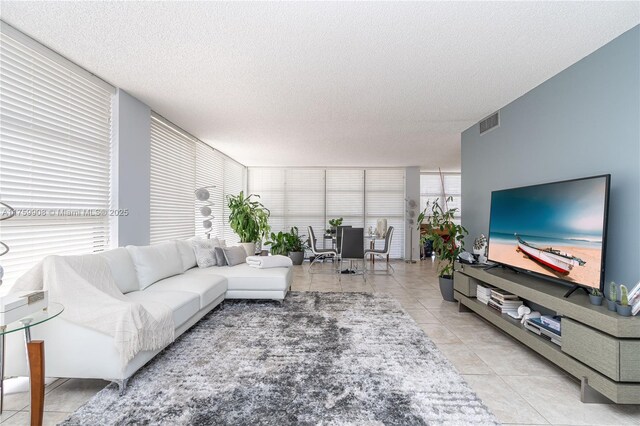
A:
[384, 253]
[339, 237]
[318, 253]
[352, 248]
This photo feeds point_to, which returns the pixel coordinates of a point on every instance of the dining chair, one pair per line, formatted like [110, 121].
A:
[352, 248]
[318, 253]
[384, 252]
[339, 237]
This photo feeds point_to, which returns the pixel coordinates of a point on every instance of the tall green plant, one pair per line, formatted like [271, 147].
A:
[249, 219]
[446, 235]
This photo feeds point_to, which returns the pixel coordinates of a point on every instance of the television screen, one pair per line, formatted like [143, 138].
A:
[555, 229]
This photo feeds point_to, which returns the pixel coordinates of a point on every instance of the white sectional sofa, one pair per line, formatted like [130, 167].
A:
[165, 273]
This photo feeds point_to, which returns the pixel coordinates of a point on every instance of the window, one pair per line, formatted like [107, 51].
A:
[173, 181]
[434, 187]
[384, 199]
[311, 196]
[55, 155]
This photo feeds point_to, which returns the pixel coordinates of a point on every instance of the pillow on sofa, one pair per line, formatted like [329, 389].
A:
[156, 262]
[220, 260]
[122, 269]
[187, 254]
[205, 257]
[234, 255]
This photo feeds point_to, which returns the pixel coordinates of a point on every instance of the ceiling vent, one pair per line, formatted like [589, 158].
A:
[490, 122]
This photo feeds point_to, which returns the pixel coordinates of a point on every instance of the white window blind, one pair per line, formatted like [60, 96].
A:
[209, 173]
[384, 199]
[433, 187]
[302, 197]
[55, 156]
[305, 200]
[345, 196]
[269, 184]
[234, 175]
[173, 157]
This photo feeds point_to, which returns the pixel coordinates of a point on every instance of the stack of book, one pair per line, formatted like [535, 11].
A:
[483, 293]
[542, 328]
[504, 302]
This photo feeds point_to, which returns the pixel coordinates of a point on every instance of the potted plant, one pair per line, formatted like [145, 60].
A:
[595, 297]
[297, 246]
[333, 225]
[447, 238]
[248, 219]
[623, 307]
[613, 297]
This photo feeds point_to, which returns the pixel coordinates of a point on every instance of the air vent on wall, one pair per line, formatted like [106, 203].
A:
[490, 122]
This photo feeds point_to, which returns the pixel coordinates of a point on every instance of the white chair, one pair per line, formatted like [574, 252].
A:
[318, 253]
[384, 252]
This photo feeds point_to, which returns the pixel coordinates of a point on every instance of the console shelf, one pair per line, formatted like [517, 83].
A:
[599, 347]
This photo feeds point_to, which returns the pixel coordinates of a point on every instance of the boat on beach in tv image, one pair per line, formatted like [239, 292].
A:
[554, 229]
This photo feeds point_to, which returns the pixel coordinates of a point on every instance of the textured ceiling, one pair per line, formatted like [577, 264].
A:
[369, 84]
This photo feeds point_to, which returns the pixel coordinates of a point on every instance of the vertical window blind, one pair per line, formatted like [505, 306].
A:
[173, 181]
[55, 155]
[433, 187]
[302, 197]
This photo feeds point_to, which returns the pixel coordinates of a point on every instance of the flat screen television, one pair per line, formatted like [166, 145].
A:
[557, 229]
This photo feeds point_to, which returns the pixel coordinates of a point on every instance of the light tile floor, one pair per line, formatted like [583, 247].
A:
[519, 386]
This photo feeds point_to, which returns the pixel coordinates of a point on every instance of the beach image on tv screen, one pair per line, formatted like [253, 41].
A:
[553, 229]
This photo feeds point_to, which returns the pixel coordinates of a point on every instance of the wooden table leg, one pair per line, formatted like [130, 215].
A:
[35, 348]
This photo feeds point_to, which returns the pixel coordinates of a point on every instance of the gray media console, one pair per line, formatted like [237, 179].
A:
[599, 347]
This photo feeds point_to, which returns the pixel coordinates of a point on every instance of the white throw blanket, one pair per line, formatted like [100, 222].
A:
[86, 288]
[265, 262]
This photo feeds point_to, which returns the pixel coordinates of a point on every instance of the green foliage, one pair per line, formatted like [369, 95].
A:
[334, 223]
[297, 242]
[447, 236]
[286, 242]
[595, 292]
[279, 243]
[624, 295]
[613, 294]
[249, 219]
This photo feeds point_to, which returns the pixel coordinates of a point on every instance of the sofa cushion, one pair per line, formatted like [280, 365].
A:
[184, 304]
[244, 277]
[155, 262]
[207, 287]
[122, 269]
[234, 255]
[187, 254]
[205, 257]
[220, 260]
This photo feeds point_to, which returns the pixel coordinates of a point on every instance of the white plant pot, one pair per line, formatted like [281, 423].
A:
[250, 248]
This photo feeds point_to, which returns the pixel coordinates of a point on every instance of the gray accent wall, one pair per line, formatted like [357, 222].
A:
[582, 122]
[132, 165]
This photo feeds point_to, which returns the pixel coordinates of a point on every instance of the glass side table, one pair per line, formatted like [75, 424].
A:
[35, 352]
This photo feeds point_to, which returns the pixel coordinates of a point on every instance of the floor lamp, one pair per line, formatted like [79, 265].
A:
[203, 194]
[411, 213]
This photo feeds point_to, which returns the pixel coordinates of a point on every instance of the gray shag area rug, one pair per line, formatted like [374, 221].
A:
[317, 358]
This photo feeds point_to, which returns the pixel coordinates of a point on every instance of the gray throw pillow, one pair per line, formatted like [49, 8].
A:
[205, 257]
[235, 255]
[220, 260]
